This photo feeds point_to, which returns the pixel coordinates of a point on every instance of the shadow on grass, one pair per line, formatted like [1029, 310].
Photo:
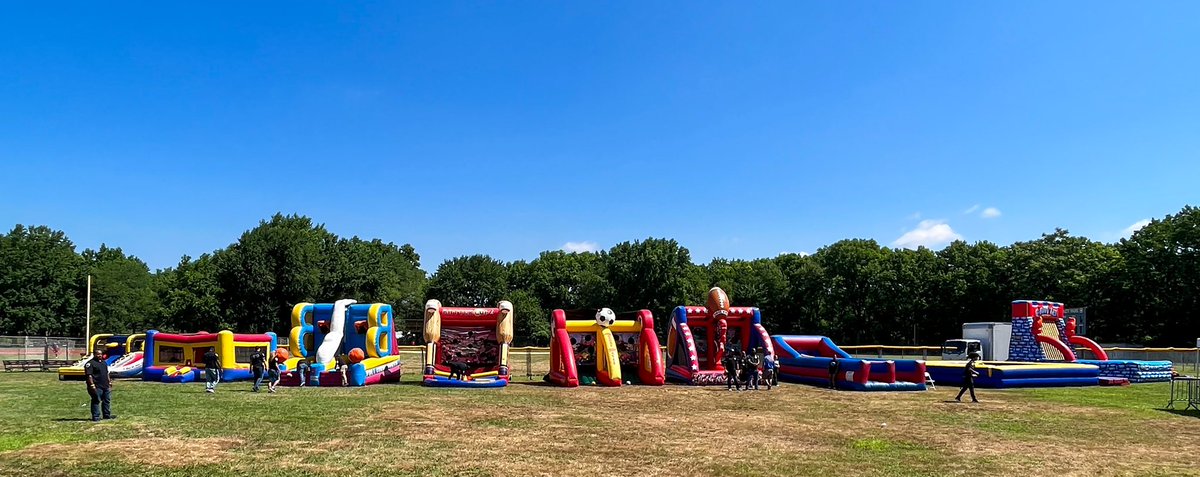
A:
[72, 419]
[1183, 412]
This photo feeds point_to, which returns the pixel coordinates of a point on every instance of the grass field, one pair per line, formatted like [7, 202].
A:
[531, 429]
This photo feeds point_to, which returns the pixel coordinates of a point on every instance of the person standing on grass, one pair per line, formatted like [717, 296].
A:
[99, 386]
[833, 373]
[212, 370]
[769, 371]
[969, 375]
[753, 361]
[258, 367]
[729, 362]
[272, 372]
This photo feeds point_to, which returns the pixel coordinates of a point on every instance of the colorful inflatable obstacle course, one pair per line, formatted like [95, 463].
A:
[474, 340]
[123, 353]
[1009, 374]
[603, 347]
[1024, 368]
[1042, 333]
[179, 358]
[806, 360]
[700, 335]
[362, 335]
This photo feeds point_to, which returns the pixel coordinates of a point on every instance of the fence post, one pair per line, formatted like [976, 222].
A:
[879, 352]
[528, 364]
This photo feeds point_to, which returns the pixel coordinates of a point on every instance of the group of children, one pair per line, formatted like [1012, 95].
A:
[743, 370]
[304, 369]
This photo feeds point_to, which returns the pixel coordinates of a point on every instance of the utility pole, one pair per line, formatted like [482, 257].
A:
[87, 329]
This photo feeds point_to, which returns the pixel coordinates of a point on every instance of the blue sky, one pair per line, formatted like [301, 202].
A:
[511, 128]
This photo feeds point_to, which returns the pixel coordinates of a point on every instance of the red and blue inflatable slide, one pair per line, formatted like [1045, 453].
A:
[806, 360]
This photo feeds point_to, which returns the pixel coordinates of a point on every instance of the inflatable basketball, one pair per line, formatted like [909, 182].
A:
[718, 302]
[356, 355]
[281, 354]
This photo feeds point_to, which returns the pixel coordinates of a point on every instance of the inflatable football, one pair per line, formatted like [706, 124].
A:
[718, 302]
[605, 317]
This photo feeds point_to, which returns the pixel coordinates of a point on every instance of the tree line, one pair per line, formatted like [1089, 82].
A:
[1143, 289]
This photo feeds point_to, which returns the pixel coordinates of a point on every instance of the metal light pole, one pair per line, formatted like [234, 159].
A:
[87, 329]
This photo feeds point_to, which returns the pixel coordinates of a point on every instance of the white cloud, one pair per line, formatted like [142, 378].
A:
[972, 209]
[577, 247]
[914, 216]
[990, 213]
[1135, 227]
[929, 233]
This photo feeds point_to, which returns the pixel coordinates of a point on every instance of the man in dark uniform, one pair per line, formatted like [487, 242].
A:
[833, 372]
[99, 386]
[212, 370]
[729, 362]
[258, 367]
[753, 361]
[969, 375]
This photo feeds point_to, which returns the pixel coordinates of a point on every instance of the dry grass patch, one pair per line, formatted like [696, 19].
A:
[174, 452]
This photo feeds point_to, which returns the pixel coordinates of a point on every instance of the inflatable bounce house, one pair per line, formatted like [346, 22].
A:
[475, 339]
[1039, 356]
[603, 347]
[179, 358]
[363, 334]
[806, 360]
[699, 336]
[1042, 333]
[122, 352]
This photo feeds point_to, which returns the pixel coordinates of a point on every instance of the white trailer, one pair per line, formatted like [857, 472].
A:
[994, 338]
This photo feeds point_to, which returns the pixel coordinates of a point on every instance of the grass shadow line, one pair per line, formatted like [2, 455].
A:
[1183, 412]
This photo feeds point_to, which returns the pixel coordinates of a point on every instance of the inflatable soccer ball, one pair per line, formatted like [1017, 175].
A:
[605, 317]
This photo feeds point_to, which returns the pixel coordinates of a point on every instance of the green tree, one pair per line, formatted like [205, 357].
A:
[374, 272]
[972, 285]
[190, 297]
[271, 268]
[800, 309]
[532, 325]
[477, 280]
[853, 270]
[656, 274]
[41, 283]
[565, 280]
[123, 294]
[758, 283]
[1158, 284]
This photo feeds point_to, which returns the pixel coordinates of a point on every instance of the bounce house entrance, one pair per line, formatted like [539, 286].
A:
[467, 347]
[476, 347]
[700, 337]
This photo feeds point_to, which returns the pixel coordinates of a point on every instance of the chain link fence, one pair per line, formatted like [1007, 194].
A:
[55, 349]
